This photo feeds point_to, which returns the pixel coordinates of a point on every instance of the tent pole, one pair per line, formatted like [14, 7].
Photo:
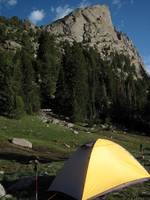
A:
[52, 196]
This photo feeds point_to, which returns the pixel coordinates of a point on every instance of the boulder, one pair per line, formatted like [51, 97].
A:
[22, 142]
[55, 121]
[67, 145]
[75, 132]
[2, 191]
[70, 125]
[8, 196]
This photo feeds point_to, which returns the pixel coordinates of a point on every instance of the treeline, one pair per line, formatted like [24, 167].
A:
[13, 29]
[97, 91]
[27, 76]
[19, 92]
[71, 80]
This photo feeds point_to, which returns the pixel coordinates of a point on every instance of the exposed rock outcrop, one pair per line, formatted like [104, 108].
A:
[93, 27]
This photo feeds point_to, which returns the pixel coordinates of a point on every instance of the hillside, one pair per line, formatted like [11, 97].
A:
[89, 73]
[92, 59]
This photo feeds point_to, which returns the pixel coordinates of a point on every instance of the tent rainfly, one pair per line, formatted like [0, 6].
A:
[96, 169]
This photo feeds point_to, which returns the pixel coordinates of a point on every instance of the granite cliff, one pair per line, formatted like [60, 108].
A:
[93, 27]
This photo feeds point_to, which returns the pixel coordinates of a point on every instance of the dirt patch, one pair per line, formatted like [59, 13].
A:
[10, 151]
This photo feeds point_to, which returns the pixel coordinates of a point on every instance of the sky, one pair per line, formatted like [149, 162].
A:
[129, 16]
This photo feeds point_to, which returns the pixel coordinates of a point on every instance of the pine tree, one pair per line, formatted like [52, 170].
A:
[17, 86]
[73, 82]
[48, 67]
[6, 90]
[29, 87]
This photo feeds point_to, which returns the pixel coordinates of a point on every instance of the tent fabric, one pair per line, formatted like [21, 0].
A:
[70, 179]
[98, 169]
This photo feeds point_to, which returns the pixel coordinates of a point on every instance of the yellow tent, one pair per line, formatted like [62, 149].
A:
[96, 169]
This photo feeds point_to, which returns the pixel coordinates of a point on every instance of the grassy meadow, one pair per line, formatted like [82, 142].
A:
[52, 145]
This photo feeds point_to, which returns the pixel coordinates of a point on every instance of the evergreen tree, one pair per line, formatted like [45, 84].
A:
[6, 90]
[29, 87]
[48, 67]
[71, 93]
[17, 86]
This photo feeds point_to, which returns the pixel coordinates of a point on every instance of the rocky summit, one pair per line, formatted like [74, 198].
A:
[93, 27]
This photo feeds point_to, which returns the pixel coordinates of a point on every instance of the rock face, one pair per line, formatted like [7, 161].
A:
[93, 27]
[22, 142]
[12, 45]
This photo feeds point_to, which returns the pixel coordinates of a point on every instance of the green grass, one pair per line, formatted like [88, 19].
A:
[54, 136]
[51, 140]
[40, 134]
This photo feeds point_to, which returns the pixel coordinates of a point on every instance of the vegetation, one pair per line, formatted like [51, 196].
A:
[74, 82]
[92, 90]
[48, 63]
[49, 144]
